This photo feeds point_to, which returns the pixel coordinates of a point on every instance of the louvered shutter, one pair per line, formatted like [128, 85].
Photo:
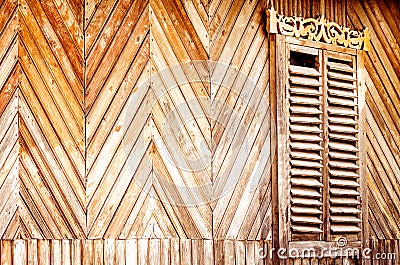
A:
[319, 174]
[305, 142]
[343, 141]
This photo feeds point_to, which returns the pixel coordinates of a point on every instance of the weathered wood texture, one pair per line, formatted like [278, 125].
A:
[240, 125]
[51, 126]
[383, 121]
[132, 251]
[101, 104]
[117, 62]
[9, 146]
[167, 251]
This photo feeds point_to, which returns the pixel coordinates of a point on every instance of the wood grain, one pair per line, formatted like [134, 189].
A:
[9, 146]
[52, 177]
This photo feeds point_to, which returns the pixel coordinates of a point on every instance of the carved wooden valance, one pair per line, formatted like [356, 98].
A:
[317, 30]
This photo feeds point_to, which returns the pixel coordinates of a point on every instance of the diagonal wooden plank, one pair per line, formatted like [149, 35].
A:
[9, 146]
[239, 94]
[51, 178]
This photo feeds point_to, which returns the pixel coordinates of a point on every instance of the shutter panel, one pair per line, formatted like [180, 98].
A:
[343, 153]
[305, 143]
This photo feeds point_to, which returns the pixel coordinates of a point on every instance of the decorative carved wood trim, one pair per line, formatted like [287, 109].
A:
[317, 30]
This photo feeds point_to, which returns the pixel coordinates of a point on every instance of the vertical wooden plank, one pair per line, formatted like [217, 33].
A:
[56, 252]
[131, 253]
[240, 252]
[208, 252]
[77, 247]
[165, 257]
[98, 254]
[32, 252]
[66, 252]
[362, 109]
[250, 253]
[88, 252]
[219, 252]
[229, 252]
[197, 251]
[276, 237]
[154, 249]
[19, 252]
[143, 251]
[185, 251]
[120, 253]
[109, 251]
[44, 252]
[281, 140]
[259, 260]
[175, 251]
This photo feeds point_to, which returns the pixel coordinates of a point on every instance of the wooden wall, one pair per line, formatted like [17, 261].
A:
[146, 123]
[383, 121]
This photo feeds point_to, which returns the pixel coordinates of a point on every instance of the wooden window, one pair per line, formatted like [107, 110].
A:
[317, 91]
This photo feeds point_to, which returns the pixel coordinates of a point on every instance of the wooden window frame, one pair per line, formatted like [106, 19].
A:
[279, 144]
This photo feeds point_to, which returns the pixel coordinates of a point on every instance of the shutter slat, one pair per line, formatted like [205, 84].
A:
[342, 173]
[306, 201]
[306, 120]
[304, 100]
[341, 155]
[340, 93]
[342, 129]
[344, 201]
[306, 229]
[340, 101]
[306, 146]
[306, 182]
[306, 210]
[343, 192]
[306, 220]
[340, 76]
[304, 155]
[345, 219]
[344, 210]
[341, 85]
[305, 110]
[344, 183]
[305, 173]
[305, 137]
[342, 120]
[341, 164]
[304, 81]
[300, 70]
[305, 129]
[305, 91]
[343, 147]
[346, 137]
[342, 111]
[305, 163]
[340, 67]
[305, 192]
[345, 229]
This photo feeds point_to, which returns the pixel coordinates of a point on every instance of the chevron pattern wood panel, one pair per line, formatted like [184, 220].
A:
[117, 115]
[149, 119]
[180, 117]
[52, 177]
[9, 146]
[241, 125]
[383, 121]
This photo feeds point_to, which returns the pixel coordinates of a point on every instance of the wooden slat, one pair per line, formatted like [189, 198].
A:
[238, 118]
[51, 86]
[9, 145]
